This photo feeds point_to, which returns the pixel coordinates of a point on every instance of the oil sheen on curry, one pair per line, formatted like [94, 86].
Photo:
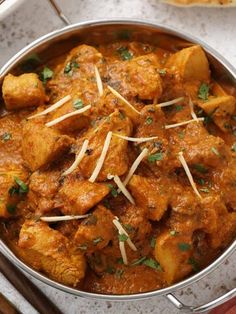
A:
[117, 166]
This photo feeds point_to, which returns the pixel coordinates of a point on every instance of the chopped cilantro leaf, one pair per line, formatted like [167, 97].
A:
[46, 74]
[200, 168]
[184, 246]
[155, 157]
[200, 181]
[203, 92]
[6, 136]
[122, 237]
[110, 270]
[149, 120]
[23, 188]
[120, 260]
[153, 242]
[178, 107]
[128, 227]
[78, 103]
[124, 53]
[11, 208]
[150, 262]
[193, 263]
[114, 192]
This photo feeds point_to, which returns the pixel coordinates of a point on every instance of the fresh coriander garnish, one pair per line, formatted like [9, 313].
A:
[155, 157]
[200, 181]
[120, 260]
[114, 192]
[21, 187]
[6, 136]
[200, 168]
[46, 74]
[128, 227]
[193, 263]
[178, 107]
[215, 151]
[149, 120]
[184, 246]
[110, 270]
[78, 103]
[150, 262]
[124, 53]
[97, 240]
[122, 237]
[233, 148]
[153, 242]
[11, 208]
[70, 66]
[181, 135]
[203, 91]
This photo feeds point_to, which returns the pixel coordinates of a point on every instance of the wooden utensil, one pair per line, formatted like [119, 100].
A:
[26, 288]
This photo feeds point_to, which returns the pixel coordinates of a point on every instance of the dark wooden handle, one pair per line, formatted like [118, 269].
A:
[26, 288]
[6, 307]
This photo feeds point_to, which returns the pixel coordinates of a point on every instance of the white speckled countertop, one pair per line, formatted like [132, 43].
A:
[214, 26]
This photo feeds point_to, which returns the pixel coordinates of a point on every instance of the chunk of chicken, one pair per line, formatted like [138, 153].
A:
[190, 64]
[43, 187]
[78, 196]
[135, 221]
[95, 232]
[56, 255]
[173, 253]
[151, 194]
[116, 161]
[23, 91]
[220, 109]
[137, 77]
[224, 180]
[73, 123]
[42, 145]
[197, 145]
[9, 189]
[151, 123]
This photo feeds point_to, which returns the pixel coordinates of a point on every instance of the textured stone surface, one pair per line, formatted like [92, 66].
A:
[214, 26]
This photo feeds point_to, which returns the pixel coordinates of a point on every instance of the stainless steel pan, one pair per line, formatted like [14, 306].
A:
[92, 32]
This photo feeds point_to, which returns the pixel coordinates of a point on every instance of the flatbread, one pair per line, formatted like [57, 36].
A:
[208, 3]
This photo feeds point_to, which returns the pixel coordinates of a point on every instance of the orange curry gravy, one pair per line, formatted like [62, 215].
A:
[171, 228]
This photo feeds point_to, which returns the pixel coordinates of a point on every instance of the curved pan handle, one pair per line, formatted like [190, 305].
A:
[204, 307]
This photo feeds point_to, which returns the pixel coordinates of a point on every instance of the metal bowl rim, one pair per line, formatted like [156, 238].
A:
[129, 22]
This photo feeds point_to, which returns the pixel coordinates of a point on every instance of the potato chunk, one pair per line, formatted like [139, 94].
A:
[116, 161]
[8, 201]
[151, 194]
[220, 109]
[56, 255]
[96, 231]
[191, 64]
[42, 145]
[173, 253]
[23, 91]
[198, 146]
[79, 196]
[43, 187]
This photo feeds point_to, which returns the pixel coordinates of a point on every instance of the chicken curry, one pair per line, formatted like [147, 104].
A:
[118, 166]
